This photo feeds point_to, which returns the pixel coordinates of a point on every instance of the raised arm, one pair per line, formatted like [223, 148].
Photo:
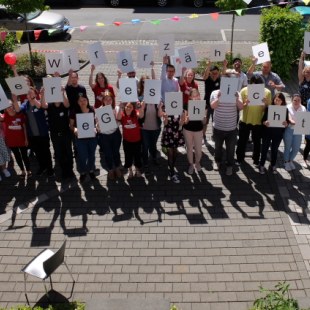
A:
[91, 77]
[252, 67]
[301, 67]
[182, 77]
[119, 75]
[15, 103]
[43, 102]
[207, 70]
[153, 71]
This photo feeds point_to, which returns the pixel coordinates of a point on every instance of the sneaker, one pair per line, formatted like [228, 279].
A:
[229, 170]
[198, 167]
[82, 178]
[287, 166]
[261, 170]
[6, 173]
[292, 165]
[175, 178]
[191, 169]
[216, 166]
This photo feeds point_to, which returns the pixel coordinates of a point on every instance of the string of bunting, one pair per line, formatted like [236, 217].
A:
[214, 16]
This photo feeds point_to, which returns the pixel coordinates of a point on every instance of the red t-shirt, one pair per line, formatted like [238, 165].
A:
[13, 130]
[186, 88]
[98, 91]
[131, 128]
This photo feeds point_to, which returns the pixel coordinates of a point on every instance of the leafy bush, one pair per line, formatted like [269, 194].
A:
[7, 46]
[71, 306]
[283, 31]
[23, 64]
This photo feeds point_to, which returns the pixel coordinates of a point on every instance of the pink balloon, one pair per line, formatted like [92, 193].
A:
[10, 58]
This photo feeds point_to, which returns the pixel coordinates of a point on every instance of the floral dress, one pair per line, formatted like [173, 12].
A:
[172, 137]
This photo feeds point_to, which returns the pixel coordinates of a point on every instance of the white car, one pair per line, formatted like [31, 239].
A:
[38, 20]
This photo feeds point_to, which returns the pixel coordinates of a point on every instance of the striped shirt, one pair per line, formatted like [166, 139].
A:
[225, 115]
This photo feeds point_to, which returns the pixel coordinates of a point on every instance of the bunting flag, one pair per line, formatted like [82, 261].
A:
[37, 34]
[247, 1]
[135, 21]
[117, 23]
[82, 28]
[194, 16]
[19, 35]
[239, 12]
[306, 2]
[155, 22]
[100, 24]
[176, 18]
[215, 16]
[3, 35]
[50, 31]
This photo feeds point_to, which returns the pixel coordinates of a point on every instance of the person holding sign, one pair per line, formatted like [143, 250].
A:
[251, 121]
[192, 131]
[58, 118]
[110, 140]
[187, 83]
[225, 129]
[168, 82]
[307, 142]
[292, 141]
[272, 136]
[129, 117]
[172, 138]
[37, 131]
[16, 139]
[212, 81]
[85, 137]
[271, 79]
[100, 86]
[304, 79]
[236, 72]
[4, 155]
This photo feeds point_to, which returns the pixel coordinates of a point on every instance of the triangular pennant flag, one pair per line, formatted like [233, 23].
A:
[19, 35]
[176, 18]
[306, 2]
[100, 24]
[3, 35]
[155, 22]
[239, 12]
[117, 23]
[66, 27]
[215, 16]
[194, 16]
[136, 21]
[82, 28]
[247, 1]
[37, 34]
[50, 31]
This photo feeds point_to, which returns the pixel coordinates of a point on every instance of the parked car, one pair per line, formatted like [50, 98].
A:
[116, 3]
[37, 20]
[304, 11]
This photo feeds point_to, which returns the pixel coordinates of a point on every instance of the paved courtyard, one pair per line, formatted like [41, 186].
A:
[206, 243]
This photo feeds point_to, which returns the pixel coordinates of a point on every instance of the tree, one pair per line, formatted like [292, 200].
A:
[231, 5]
[24, 7]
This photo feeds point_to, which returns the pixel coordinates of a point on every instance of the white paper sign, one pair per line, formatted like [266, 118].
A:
[17, 85]
[276, 115]
[261, 52]
[256, 94]
[85, 125]
[166, 45]
[96, 54]
[188, 57]
[128, 90]
[307, 42]
[176, 62]
[52, 89]
[196, 110]
[71, 60]
[152, 91]
[4, 101]
[124, 61]
[228, 89]
[174, 103]
[302, 123]
[145, 56]
[217, 52]
[54, 63]
[106, 118]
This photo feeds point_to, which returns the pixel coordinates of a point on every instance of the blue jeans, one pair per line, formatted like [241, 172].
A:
[291, 144]
[86, 149]
[111, 145]
[149, 141]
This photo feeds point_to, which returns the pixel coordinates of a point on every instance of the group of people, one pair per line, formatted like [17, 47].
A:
[30, 123]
